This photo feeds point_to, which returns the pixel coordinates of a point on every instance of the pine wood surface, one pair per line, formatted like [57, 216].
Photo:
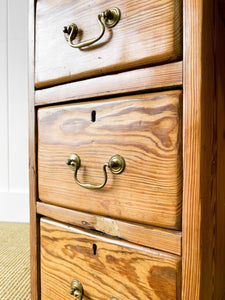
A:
[203, 222]
[149, 32]
[34, 220]
[200, 152]
[191, 220]
[149, 236]
[144, 129]
[220, 205]
[114, 269]
[163, 76]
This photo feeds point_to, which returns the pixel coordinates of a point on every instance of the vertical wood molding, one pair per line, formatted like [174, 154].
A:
[199, 144]
[191, 151]
[34, 220]
[220, 207]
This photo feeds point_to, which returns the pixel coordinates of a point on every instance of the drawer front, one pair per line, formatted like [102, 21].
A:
[148, 32]
[106, 268]
[144, 129]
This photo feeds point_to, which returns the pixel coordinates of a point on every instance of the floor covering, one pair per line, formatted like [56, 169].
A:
[14, 261]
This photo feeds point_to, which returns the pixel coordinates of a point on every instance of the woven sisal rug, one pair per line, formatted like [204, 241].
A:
[14, 261]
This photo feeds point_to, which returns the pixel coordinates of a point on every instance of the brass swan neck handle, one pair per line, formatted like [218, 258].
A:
[116, 165]
[111, 17]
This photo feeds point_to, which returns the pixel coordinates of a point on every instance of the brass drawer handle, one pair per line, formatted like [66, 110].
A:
[111, 18]
[116, 165]
[76, 289]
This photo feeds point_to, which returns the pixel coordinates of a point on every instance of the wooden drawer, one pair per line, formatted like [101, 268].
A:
[148, 32]
[107, 268]
[144, 129]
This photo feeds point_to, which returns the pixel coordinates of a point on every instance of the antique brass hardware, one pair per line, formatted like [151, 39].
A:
[111, 18]
[76, 289]
[116, 165]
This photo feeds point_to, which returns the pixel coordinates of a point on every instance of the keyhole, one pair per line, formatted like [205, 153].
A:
[93, 116]
[94, 249]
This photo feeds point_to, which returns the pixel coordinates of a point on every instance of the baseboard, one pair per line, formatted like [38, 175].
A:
[14, 207]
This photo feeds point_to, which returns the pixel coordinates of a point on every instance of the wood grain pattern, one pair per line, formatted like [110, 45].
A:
[144, 129]
[203, 236]
[164, 76]
[220, 205]
[34, 221]
[199, 145]
[115, 269]
[148, 32]
[149, 236]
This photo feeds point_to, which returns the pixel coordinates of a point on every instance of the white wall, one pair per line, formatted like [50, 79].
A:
[14, 203]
